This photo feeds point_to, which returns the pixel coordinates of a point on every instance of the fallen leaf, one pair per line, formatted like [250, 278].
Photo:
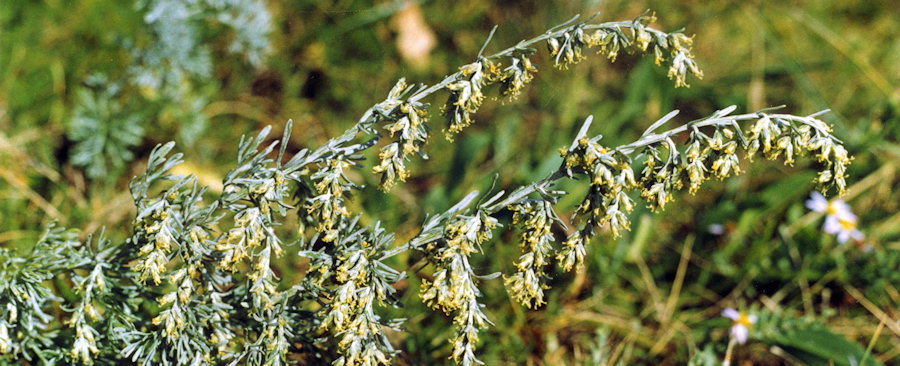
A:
[415, 39]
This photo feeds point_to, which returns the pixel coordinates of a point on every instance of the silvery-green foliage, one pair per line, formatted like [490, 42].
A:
[170, 60]
[25, 312]
[195, 283]
[176, 53]
[105, 132]
[250, 22]
[354, 285]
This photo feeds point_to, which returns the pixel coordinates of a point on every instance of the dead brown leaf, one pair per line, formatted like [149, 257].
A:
[415, 39]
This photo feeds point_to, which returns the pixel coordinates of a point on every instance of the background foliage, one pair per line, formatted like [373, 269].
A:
[68, 75]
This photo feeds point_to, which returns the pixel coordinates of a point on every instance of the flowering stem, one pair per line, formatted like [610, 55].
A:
[728, 351]
[544, 186]
[655, 138]
[559, 31]
[555, 32]
[520, 194]
[650, 139]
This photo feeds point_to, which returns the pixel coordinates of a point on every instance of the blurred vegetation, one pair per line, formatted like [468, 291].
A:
[652, 296]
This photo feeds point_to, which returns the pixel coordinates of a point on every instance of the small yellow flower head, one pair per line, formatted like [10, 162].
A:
[643, 38]
[12, 312]
[572, 253]
[526, 285]
[5, 341]
[514, 78]
[465, 97]
[553, 46]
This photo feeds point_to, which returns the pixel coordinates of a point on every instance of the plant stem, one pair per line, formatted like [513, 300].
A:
[557, 31]
[545, 185]
[728, 352]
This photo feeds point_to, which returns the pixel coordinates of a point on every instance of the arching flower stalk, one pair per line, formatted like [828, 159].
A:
[611, 175]
[450, 240]
[566, 43]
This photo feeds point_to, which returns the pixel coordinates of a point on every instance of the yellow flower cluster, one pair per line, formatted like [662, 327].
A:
[454, 288]
[360, 283]
[610, 177]
[776, 135]
[159, 240]
[84, 348]
[466, 95]
[567, 47]
[250, 231]
[527, 284]
[706, 156]
[515, 76]
[329, 206]
[410, 135]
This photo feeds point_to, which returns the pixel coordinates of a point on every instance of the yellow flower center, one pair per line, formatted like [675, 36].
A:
[829, 209]
[743, 319]
[847, 224]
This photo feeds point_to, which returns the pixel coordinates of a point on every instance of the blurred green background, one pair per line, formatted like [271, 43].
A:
[653, 296]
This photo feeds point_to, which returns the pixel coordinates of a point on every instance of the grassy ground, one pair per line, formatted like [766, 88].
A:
[652, 296]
